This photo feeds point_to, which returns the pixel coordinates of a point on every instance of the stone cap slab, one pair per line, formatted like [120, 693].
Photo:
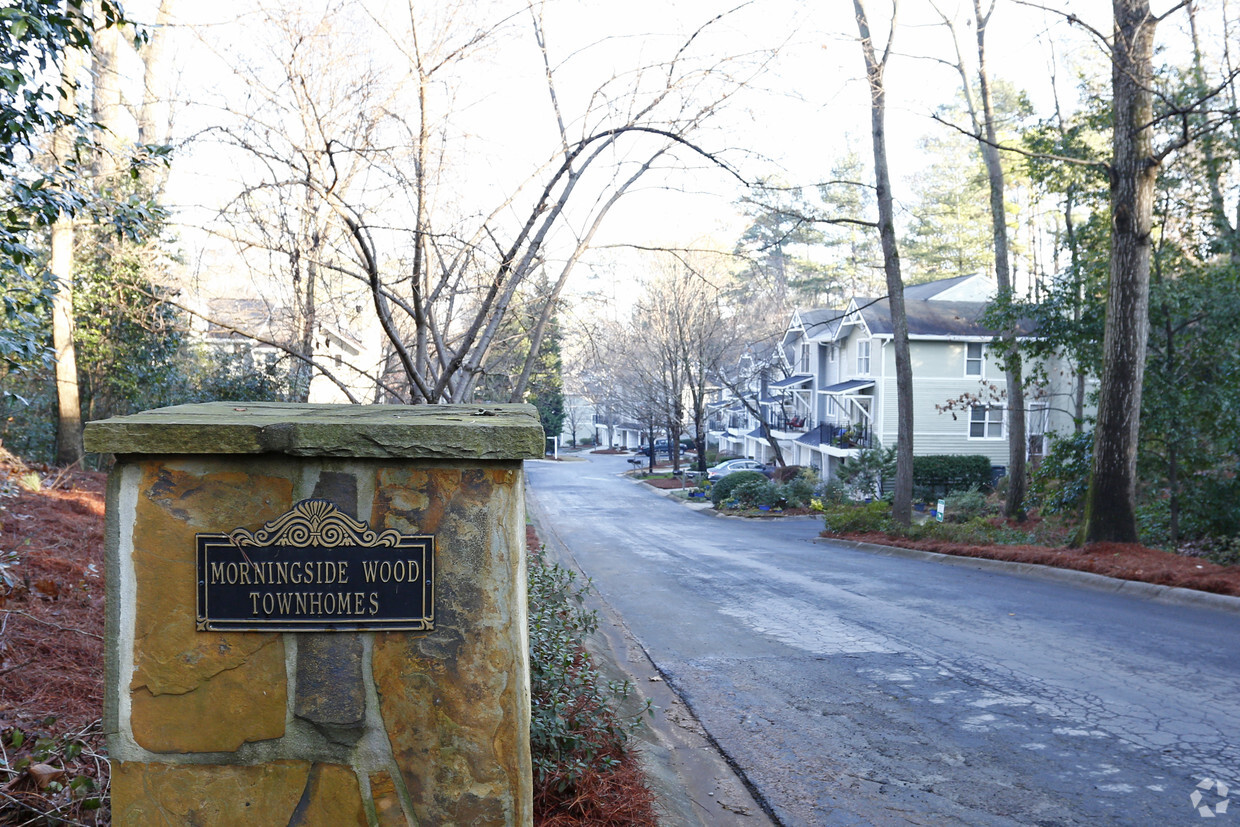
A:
[308, 430]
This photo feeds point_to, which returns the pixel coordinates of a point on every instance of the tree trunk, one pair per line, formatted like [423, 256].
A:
[154, 114]
[69, 448]
[1110, 508]
[106, 99]
[902, 504]
[1018, 447]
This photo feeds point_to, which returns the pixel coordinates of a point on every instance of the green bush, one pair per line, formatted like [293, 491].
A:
[831, 492]
[798, 491]
[937, 474]
[574, 726]
[1225, 551]
[844, 519]
[1062, 478]
[721, 490]
[863, 474]
[1210, 505]
[755, 492]
[963, 506]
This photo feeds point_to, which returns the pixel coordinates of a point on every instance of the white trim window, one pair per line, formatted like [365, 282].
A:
[832, 350]
[863, 357]
[974, 359]
[985, 422]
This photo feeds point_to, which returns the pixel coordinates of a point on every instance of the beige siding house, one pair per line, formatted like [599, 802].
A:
[838, 395]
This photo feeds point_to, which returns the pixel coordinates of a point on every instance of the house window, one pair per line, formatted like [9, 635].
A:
[804, 368]
[863, 357]
[1037, 430]
[973, 353]
[985, 422]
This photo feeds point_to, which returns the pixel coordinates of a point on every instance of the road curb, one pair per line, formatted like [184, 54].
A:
[1171, 595]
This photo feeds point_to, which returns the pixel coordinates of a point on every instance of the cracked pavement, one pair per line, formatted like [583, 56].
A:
[853, 688]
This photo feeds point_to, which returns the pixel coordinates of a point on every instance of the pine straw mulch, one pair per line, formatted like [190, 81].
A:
[1126, 561]
[617, 798]
[52, 768]
[51, 667]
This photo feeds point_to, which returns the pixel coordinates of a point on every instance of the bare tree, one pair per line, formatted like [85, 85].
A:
[441, 277]
[875, 67]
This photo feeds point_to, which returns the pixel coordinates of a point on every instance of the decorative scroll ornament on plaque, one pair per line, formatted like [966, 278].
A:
[315, 523]
[315, 568]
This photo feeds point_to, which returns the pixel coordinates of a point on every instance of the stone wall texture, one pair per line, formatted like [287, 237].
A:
[331, 728]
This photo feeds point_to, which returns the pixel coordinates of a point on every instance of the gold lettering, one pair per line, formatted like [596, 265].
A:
[231, 573]
[217, 573]
[343, 568]
[245, 574]
[259, 576]
[301, 603]
[281, 573]
[286, 602]
[374, 603]
[295, 573]
[329, 603]
[269, 603]
[398, 570]
[368, 570]
[385, 571]
[254, 600]
[315, 599]
[414, 568]
[358, 597]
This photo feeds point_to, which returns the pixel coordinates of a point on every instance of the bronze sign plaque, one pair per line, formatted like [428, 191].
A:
[315, 569]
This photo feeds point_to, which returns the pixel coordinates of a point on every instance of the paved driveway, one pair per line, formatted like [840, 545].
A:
[853, 688]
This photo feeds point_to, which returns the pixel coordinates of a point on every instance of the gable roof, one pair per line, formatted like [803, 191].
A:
[972, 288]
[935, 319]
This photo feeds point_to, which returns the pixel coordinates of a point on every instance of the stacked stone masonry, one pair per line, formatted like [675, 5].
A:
[323, 727]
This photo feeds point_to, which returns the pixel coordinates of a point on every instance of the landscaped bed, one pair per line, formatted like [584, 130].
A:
[1124, 561]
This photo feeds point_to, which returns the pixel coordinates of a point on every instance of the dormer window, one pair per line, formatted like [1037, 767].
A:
[974, 358]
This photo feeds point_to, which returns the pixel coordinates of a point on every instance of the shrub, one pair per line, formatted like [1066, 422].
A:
[1062, 478]
[844, 519]
[754, 492]
[575, 729]
[863, 474]
[1225, 551]
[831, 492]
[1210, 505]
[965, 505]
[787, 472]
[938, 474]
[798, 491]
[721, 490]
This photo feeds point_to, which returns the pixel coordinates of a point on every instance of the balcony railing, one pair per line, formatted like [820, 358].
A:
[856, 435]
[788, 423]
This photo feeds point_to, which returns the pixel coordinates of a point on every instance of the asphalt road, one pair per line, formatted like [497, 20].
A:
[852, 688]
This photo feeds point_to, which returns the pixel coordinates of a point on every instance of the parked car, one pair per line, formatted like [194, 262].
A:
[733, 465]
[661, 447]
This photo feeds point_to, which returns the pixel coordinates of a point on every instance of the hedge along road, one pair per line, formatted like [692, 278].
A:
[854, 688]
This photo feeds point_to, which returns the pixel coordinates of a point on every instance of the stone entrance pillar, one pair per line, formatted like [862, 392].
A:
[316, 614]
